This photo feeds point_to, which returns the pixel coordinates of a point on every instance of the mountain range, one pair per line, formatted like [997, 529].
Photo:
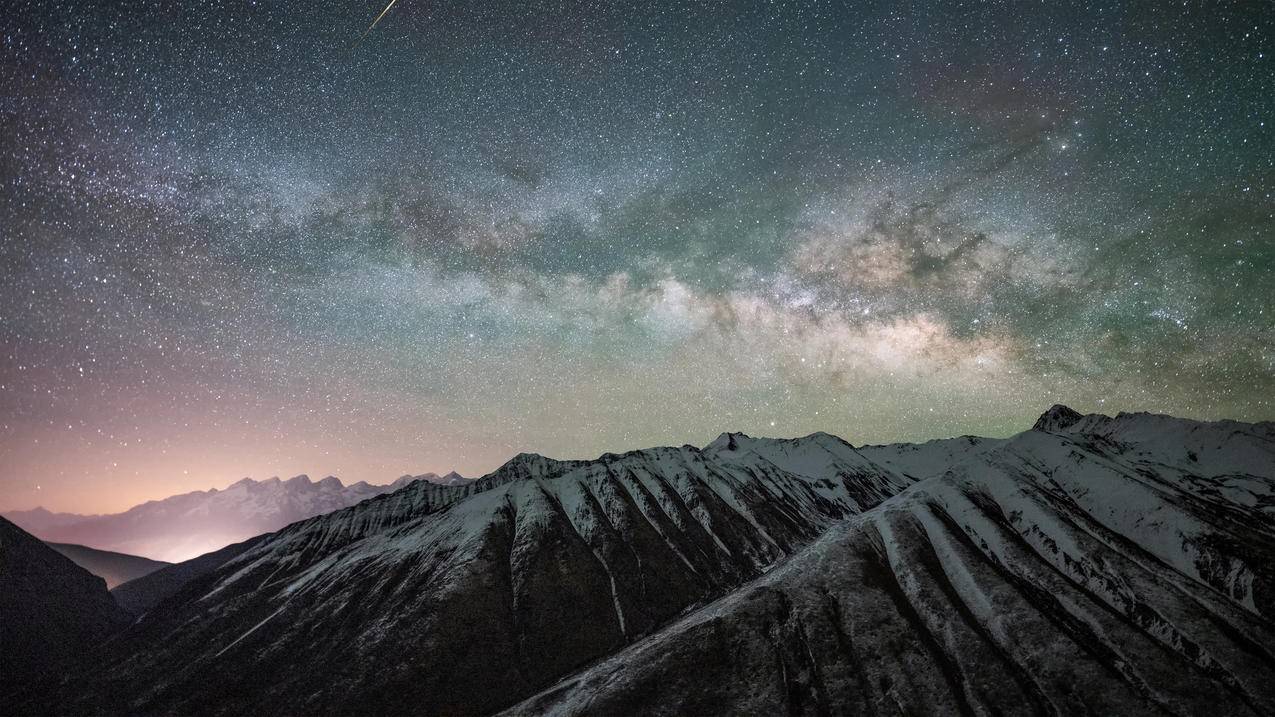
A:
[1092, 564]
[184, 526]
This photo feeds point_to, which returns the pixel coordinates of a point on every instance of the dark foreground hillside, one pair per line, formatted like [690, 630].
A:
[52, 611]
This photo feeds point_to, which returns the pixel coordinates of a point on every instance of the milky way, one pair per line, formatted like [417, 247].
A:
[235, 243]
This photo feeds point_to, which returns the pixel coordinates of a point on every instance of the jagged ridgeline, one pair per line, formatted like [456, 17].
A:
[1091, 565]
[188, 525]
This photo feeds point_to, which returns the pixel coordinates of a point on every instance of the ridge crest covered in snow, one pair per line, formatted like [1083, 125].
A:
[1091, 565]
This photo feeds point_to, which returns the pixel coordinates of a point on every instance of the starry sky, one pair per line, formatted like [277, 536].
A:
[236, 241]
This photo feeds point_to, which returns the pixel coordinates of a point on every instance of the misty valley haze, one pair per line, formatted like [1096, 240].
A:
[184, 526]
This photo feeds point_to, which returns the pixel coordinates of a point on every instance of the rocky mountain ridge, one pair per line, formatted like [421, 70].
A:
[1092, 564]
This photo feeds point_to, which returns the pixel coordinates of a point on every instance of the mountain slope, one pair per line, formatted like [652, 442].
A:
[114, 568]
[51, 610]
[465, 599]
[1124, 567]
[143, 593]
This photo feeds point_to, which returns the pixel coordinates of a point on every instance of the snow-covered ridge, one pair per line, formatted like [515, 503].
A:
[1203, 447]
[543, 563]
[1092, 565]
[679, 560]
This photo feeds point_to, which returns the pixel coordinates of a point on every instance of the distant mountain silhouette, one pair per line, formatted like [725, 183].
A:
[191, 524]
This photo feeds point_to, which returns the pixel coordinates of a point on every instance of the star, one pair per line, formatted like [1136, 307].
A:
[231, 249]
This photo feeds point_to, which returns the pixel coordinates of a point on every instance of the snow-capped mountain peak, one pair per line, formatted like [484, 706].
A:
[1057, 418]
[453, 478]
[727, 442]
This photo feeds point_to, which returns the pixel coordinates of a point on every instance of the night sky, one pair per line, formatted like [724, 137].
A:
[233, 242]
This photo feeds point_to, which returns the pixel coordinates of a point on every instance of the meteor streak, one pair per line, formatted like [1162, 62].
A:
[375, 22]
